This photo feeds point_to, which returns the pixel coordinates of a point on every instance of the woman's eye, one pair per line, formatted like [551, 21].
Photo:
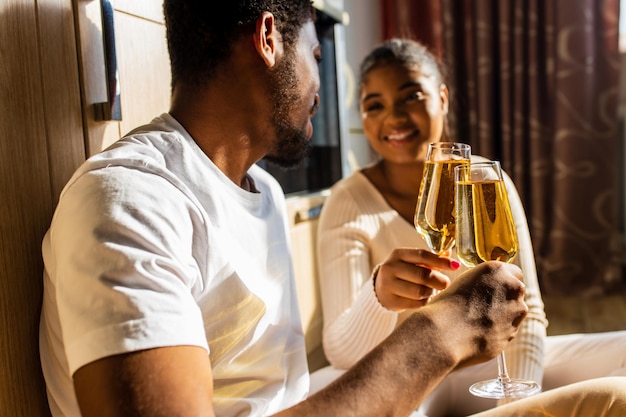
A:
[372, 107]
[416, 96]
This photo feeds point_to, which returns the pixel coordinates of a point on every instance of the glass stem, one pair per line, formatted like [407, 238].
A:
[503, 373]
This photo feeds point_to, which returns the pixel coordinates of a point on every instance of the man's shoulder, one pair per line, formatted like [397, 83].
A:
[147, 155]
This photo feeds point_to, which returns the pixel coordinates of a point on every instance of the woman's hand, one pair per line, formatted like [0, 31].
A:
[409, 277]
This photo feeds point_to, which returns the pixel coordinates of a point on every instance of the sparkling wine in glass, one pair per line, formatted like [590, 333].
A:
[485, 231]
[434, 214]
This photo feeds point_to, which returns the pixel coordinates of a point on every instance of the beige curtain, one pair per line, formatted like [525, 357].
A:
[535, 84]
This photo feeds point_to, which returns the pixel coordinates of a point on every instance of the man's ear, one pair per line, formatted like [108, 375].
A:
[267, 38]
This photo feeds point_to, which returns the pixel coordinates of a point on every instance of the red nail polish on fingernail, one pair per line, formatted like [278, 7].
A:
[455, 264]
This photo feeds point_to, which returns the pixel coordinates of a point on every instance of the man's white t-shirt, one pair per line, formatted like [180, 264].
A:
[152, 245]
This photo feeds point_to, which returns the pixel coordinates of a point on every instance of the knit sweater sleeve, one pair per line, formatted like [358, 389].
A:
[354, 320]
[525, 354]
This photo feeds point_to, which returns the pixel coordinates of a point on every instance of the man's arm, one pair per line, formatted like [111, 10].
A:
[470, 322]
[162, 382]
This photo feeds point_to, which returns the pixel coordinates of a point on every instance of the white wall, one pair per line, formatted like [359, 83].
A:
[362, 33]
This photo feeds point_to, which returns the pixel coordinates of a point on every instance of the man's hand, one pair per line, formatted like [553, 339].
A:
[481, 311]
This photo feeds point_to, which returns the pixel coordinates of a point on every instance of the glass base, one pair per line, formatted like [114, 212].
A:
[498, 388]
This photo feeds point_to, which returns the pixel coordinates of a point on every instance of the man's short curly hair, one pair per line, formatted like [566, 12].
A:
[200, 33]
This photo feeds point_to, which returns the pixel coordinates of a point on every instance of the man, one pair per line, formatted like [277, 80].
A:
[168, 283]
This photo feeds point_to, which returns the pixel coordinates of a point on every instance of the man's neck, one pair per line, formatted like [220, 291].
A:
[225, 130]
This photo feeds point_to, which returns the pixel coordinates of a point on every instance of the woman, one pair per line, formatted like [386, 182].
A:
[404, 103]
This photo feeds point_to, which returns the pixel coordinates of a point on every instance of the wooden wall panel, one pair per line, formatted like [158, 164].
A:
[144, 69]
[146, 9]
[143, 63]
[45, 117]
[61, 91]
[36, 49]
[98, 134]
[25, 205]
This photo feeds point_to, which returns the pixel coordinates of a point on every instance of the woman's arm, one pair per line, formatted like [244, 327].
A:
[525, 354]
[354, 320]
[359, 310]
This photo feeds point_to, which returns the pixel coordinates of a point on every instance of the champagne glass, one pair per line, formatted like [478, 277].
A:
[434, 214]
[485, 231]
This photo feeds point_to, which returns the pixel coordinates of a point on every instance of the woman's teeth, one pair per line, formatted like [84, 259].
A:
[398, 136]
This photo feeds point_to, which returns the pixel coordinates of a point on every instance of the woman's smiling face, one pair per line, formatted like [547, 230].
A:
[402, 111]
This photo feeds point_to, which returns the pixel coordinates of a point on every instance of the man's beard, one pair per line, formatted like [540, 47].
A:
[292, 142]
